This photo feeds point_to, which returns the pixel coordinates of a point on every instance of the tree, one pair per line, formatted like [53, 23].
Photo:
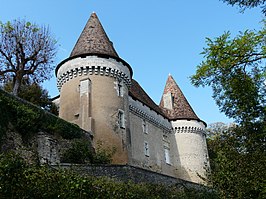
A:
[35, 94]
[235, 172]
[235, 69]
[26, 50]
[244, 4]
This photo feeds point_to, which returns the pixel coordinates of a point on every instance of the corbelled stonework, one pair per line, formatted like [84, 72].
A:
[93, 40]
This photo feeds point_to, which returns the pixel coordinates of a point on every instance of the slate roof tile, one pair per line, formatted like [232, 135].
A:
[94, 40]
[137, 92]
[181, 107]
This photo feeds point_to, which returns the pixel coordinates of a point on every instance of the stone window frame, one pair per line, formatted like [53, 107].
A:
[121, 119]
[120, 88]
[166, 149]
[145, 126]
[167, 155]
[87, 87]
[146, 149]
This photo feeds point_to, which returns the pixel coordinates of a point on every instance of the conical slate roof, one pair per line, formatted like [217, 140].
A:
[94, 40]
[181, 109]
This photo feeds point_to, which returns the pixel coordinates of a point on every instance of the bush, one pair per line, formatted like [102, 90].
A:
[103, 155]
[28, 119]
[18, 180]
[80, 152]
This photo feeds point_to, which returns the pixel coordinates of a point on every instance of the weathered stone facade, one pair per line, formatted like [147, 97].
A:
[98, 93]
[41, 148]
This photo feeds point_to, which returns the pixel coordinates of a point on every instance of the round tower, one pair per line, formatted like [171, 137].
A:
[192, 155]
[94, 83]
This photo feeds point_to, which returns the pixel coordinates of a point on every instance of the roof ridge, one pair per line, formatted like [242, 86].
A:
[93, 40]
[140, 94]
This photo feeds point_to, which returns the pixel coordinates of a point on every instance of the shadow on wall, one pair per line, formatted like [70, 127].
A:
[180, 171]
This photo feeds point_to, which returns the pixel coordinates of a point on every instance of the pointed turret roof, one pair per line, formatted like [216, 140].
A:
[94, 40]
[181, 109]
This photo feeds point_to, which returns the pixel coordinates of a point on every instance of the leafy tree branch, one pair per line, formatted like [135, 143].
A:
[25, 49]
[247, 4]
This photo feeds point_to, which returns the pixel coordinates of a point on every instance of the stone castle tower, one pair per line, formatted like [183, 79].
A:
[189, 131]
[98, 93]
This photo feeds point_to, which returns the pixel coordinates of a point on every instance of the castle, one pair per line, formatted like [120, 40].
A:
[98, 93]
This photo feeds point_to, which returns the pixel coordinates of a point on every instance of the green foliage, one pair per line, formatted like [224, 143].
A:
[238, 170]
[235, 69]
[28, 119]
[18, 180]
[244, 4]
[80, 152]
[33, 93]
[11, 169]
[103, 155]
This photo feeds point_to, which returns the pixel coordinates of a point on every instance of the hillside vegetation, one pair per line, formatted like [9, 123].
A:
[19, 180]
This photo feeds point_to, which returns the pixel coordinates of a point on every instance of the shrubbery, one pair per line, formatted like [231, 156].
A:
[19, 180]
[27, 119]
[81, 152]
[103, 155]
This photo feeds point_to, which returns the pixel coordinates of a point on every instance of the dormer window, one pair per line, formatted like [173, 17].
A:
[168, 100]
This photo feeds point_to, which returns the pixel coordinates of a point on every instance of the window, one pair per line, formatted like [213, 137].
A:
[168, 100]
[165, 138]
[167, 155]
[121, 119]
[145, 126]
[146, 149]
[120, 88]
[85, 87]
[166, 148]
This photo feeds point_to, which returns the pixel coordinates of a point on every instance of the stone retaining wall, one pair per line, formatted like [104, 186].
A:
[129, 173]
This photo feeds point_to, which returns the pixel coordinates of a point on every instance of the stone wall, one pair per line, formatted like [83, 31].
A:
[129, 173]
[43, 148]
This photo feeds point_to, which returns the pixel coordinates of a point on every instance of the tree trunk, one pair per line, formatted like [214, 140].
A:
[17, 84]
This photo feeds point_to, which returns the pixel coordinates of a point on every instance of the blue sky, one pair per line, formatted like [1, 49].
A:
[156, 37]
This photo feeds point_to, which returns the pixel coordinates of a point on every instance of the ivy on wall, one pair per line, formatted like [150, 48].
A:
[28, 119]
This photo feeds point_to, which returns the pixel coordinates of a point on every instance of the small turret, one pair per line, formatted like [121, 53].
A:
[192, 154]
